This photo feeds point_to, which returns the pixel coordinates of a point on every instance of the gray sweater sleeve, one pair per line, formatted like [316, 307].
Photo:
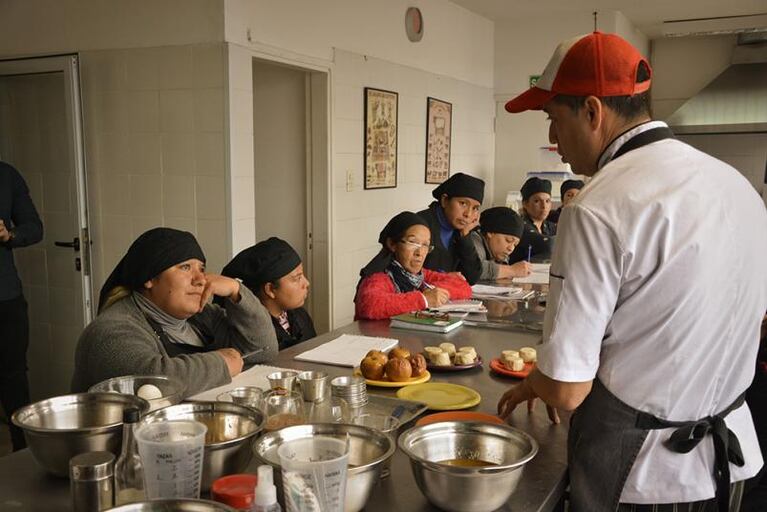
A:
[489, 267]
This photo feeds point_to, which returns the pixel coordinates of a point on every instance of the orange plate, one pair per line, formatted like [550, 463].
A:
[460, 416]
[497, 366]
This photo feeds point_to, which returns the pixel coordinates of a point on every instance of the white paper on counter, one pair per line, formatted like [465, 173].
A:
[346, 350]
[255, 376]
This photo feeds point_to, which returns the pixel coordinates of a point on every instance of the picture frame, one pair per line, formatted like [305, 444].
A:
[439, 129]
[381, 119]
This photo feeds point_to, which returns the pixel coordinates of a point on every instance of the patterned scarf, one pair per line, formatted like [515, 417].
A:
[404, 281]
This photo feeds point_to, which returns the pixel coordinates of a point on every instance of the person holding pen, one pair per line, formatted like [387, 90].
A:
[395, 280]
[500, 229]
[538, 234]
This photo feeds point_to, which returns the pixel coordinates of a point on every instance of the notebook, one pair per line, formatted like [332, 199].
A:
[425, 323]
[463, 306]
[346, 350]
[499, 292]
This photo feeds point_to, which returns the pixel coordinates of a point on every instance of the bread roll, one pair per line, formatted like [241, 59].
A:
[449, 348]
[398, 370]
[431, 350]
[399, 353]
[434, 354]
[509, 353]
[467, 350]
[515, 364]
[418, 363]
[464, 358]
[377, 354]
[372, 368]
[528, 354]
[441, 359]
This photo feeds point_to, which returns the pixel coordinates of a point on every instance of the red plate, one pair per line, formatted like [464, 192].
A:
[460, 416]
[497, 366]
[453, 367]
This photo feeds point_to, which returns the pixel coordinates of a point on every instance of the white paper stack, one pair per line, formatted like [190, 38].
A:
[484, 291]
[346, 350]
[540, 275]
[461, 306]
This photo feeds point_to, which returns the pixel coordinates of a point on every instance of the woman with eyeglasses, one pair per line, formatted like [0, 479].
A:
[451, 219]
[396, 282]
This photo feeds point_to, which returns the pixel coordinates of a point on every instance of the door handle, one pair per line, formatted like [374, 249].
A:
[74, 244]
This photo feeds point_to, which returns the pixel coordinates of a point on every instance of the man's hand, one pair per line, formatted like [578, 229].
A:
[436, 296]
[522, 392]
[233, 360]
[5, 235]
[219, 285]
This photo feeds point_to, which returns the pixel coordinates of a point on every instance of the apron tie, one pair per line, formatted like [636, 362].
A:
[689, 434]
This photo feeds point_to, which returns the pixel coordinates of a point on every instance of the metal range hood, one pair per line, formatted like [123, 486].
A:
[736, 100]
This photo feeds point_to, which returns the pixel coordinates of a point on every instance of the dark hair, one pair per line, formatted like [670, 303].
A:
[627, 107]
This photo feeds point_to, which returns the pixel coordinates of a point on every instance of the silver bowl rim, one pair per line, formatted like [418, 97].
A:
[214, 406]
[173, 380]
[142, 405]
[467, 427]
[312, 426]
[174, 501]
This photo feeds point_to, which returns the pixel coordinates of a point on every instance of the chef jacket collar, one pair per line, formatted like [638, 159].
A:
[612, 148]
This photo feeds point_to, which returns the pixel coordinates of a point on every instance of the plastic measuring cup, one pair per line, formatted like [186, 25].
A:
[172, 453]
[314, 474]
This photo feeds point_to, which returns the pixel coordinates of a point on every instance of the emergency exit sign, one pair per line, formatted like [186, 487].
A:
[534, 80]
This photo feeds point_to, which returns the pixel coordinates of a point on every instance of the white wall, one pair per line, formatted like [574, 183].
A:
[523, 48]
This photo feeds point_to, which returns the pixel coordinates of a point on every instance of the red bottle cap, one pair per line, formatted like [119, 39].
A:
[235, 490]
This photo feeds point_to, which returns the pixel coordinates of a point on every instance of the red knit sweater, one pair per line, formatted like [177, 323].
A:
[378, 299]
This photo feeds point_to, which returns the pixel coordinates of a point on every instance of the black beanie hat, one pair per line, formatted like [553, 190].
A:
[501, 220]
[397, 226]
[461, 185]
[533, 186]
[569, 184]
[263, 263]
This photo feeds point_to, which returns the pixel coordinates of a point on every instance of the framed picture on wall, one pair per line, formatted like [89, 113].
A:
[380, 138]
[439, 124]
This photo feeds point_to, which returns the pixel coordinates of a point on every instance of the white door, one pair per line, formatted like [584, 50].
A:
[41, 136]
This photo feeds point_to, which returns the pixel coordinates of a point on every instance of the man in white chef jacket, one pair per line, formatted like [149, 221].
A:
[657, 291]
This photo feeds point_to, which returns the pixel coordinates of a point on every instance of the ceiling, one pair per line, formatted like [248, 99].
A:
[646, 15]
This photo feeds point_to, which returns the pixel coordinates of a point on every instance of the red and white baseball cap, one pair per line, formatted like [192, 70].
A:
[595, 64]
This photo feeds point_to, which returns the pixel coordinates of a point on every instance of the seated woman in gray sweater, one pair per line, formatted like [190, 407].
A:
[500, 229]
[155, 319]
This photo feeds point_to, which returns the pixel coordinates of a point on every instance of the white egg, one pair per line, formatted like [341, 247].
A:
[149, 392]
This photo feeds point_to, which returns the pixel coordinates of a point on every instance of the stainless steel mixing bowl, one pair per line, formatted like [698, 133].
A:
[369, 450]
[467, 488]
[231, 428]
[174, 506]
[59, 428]
[171, 388]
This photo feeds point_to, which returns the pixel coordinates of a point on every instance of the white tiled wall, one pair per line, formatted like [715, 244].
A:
[154, 136]
[360, 214]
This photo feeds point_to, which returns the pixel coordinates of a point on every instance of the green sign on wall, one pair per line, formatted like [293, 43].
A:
[534, 80]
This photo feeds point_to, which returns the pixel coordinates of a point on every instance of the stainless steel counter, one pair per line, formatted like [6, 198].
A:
[24, 486]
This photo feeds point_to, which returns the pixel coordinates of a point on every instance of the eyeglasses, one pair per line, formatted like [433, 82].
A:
[415, 246]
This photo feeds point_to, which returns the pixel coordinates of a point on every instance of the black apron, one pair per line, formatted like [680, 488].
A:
[173, 349]
[606, 434]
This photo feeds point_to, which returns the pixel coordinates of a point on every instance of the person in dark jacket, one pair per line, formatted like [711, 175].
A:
[273, 270]
[19, 226]
[567, 192]
[538, 236]
[499, 232]
[451, 218]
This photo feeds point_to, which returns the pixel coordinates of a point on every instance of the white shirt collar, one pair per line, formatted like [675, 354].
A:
[616, 144]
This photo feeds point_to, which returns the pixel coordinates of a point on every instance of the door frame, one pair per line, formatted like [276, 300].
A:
[69, 65]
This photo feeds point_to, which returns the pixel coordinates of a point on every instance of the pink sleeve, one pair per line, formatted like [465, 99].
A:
[377, 299]
[458, 287]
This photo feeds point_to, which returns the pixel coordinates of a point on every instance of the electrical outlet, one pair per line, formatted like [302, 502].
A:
[349, 180]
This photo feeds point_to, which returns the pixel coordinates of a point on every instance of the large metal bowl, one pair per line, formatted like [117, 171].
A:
[174, 506]
[231, 428]
[369, 450]
[59, 428]
[170, 387]
[461, 488]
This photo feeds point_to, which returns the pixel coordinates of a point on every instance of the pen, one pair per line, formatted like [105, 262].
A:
[529, 252]
[252, 353]
[428, 286]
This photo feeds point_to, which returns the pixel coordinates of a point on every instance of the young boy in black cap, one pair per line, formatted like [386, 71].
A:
[451, 218]
[499, 233]
[567, 192]
[272, 269]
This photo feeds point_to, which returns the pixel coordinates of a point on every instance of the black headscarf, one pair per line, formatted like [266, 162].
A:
[394, 229]
[263, 263]
[570, 184]
[461, 185]
[533, 186]
[501, 220]
[151, 253]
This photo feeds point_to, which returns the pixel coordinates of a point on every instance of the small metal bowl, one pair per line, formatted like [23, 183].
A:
[59, 428]
[172, 389]
[369, 450]
[174, 506]
[467, 488]
[231, 428]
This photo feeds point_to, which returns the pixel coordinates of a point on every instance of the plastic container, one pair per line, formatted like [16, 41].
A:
[237, 491]
[314, 474]
[172, 453]
[266, 492]
[129, 472]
